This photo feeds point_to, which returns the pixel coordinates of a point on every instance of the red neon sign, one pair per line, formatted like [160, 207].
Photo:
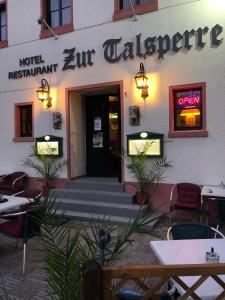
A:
[189, 101]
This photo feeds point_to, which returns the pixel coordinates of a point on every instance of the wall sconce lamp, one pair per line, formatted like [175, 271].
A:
[44, 93]
[141, 81]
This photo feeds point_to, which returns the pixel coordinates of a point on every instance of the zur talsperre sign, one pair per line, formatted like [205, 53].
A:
[115, 50]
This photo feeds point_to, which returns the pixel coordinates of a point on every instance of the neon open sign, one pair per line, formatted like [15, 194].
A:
[193, 100]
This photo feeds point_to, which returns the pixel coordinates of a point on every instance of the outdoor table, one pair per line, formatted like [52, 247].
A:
[13, 202]
[191, 252]
[212, 193]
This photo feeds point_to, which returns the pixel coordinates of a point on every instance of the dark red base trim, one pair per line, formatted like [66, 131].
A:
[3, 44]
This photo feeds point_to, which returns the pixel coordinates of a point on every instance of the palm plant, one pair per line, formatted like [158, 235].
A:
[66, 251]
[63, 259]
[147, 172]
[47, 167]
[121, 237]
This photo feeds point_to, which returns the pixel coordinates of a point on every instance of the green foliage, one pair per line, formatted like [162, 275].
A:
[65, 251]
[146, 171]
[121, 237]
[47, 167]
[63, 260]
[49, 212]
[61, 251]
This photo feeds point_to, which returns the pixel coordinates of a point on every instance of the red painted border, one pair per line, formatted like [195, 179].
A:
[82, 89]
[45, 33]
[189, 133]
[139, 9]
[17, 137]
[4, 44]
[36, 183]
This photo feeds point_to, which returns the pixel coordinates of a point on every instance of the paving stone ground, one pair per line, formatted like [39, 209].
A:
[32, 285]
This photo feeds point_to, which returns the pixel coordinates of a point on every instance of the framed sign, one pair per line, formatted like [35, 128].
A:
[97, 123]
[98, 139]
[134, 115]
[148, 142]
[49, 145]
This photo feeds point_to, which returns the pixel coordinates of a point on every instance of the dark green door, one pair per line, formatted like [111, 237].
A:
[102, 135]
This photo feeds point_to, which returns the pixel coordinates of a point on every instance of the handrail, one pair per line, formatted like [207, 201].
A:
[116, 277]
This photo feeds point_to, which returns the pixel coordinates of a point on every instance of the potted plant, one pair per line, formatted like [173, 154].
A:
[45, 165]
[147, 172]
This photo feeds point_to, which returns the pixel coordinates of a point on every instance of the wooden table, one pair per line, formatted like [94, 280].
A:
[191, 252]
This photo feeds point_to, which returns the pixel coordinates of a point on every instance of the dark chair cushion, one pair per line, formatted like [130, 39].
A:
[186, 231]
[13, 228]
[128, 294]
[188, 195]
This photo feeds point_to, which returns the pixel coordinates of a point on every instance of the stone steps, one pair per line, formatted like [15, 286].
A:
[101, 199]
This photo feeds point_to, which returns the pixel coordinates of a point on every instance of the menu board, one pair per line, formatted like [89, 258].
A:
[48, 148]
[152, 147]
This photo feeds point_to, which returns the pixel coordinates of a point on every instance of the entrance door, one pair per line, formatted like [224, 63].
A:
[103, 135]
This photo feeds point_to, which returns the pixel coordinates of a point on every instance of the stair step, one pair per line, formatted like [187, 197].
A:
[96, 203]
[84, 217]
[121, 210]
[101, 199]
[91, 195]
[96, 186]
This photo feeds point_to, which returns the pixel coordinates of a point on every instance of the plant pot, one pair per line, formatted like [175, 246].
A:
[45, 190]
[141, 198]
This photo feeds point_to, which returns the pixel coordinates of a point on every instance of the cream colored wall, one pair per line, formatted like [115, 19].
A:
[77, 135]
[200, 160]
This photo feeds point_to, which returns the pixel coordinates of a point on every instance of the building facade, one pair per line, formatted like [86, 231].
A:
[90, 61]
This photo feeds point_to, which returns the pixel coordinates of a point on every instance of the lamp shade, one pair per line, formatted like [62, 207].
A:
[140, 78]
[43, 91]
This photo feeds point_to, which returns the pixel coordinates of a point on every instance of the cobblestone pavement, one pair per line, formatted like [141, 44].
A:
[32, 285]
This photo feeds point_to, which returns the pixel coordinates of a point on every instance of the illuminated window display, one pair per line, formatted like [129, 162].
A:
[188, 109]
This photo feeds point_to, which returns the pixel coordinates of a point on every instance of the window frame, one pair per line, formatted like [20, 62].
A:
[45, 32]
[139, 9]
[4, 43]
[173, 133]
[17, 123]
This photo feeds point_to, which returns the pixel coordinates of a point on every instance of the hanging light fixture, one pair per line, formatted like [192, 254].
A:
[43, 93]
[141, 81]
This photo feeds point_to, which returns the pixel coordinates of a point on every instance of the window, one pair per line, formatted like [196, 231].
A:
[3, 26]
[187, 110]
[58, 12]
[123, 8]
[23, 122]
[126, 3]
[58, 15]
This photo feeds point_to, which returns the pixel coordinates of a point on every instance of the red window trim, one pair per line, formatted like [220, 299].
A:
[128, 12]
[17, 137]
[187, 133]
[45, 33]
[23, 139]
[4, 43]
